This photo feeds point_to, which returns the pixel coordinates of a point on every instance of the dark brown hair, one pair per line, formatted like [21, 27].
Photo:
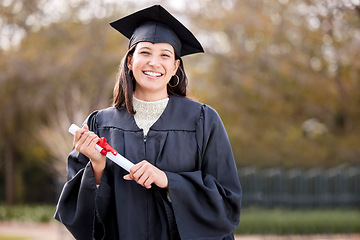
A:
[125, 84]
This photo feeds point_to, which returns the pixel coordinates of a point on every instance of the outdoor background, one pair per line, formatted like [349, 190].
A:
[284, 76]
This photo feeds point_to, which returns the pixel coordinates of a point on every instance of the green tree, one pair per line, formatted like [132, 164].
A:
[271, 67]
[276, 64]
[58, 74]
[14, 83]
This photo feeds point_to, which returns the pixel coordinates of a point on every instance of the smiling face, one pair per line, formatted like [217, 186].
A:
[152, 65]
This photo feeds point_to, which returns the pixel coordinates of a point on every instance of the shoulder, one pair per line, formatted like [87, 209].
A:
[183, 106]
[110, 112]
[183, 113]
[113, 117]
[186, 101]
[191, 106]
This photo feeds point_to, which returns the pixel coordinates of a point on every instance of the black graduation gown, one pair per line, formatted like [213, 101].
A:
[190, 144]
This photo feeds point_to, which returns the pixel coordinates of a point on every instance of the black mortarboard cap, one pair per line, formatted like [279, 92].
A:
[156, 25]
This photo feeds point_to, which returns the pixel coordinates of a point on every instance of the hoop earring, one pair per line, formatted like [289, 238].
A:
[177, 83]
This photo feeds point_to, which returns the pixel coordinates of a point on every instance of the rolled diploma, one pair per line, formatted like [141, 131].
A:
[118, 159]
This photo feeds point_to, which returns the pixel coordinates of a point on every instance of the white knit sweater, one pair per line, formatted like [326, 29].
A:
[147, 113]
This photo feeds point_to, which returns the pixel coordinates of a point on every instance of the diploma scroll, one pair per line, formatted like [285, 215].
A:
[118, 159]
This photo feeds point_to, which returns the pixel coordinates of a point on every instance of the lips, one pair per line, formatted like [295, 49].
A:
[153, 74]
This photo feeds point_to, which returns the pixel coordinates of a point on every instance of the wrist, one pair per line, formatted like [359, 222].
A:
[165, 181]
[98, 165]
[98, 169]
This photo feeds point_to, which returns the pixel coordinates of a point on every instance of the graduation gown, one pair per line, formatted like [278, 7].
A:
[189, 143]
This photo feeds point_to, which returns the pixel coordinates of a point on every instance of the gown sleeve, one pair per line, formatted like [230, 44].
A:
[207, 202]
[77, 206]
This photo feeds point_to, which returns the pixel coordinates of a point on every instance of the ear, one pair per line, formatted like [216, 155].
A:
[129, 62]
[176, 65]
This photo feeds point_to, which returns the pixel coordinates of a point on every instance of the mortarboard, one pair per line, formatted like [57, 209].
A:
[156, 25]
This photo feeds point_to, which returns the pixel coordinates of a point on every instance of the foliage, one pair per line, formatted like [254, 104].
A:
[27, 213]
[40, 95]
[271, 66]
[281, 221]
[278, 221]
[274, 65]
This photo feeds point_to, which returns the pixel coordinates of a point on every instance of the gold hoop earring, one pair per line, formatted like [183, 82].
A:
[177, 83]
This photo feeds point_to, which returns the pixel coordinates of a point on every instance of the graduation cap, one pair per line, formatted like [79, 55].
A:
[156, 25]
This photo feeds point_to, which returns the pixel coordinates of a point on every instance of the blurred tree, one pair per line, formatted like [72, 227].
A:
[274, 64]
[59, 60]
[83, 81]
[59, 73]
[284, 76]
[13, 15]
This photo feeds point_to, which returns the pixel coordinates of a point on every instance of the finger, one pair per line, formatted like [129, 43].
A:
[79, 132]
[142, 173]
[138, 175]
[135, 169]
[91, 148]
[149, 181]
[127, 177]
[82, 130]
[89, 139]
[148, 177]
[142, 179]
[78, 143]
[94, 140]
[84, 142]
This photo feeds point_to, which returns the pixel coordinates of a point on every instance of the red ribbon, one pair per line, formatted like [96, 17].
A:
[106, 147]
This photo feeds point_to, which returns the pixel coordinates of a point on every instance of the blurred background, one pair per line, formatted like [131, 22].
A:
[284, 76]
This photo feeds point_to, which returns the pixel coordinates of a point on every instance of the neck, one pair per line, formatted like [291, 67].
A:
[150, 97]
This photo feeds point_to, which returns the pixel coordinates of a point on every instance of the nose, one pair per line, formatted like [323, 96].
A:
[154, 61]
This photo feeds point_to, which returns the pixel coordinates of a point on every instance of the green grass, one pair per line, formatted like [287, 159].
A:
[281, 221]
[278, 221]
[27, 213]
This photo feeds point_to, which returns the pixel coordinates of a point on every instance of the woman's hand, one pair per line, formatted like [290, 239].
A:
[145, 174]
[84, 142]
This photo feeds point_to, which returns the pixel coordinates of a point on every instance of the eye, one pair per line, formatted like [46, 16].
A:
[165, 55]
[144, 53]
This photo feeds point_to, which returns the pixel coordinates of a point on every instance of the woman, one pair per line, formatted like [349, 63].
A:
[184, 183]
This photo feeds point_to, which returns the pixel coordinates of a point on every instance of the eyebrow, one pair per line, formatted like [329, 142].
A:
[145, 48]
[164, 49]
[167, 50]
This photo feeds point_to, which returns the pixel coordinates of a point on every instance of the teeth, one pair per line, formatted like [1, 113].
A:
[153, 74]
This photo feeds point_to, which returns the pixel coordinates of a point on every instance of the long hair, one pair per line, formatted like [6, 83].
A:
[125, 84]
